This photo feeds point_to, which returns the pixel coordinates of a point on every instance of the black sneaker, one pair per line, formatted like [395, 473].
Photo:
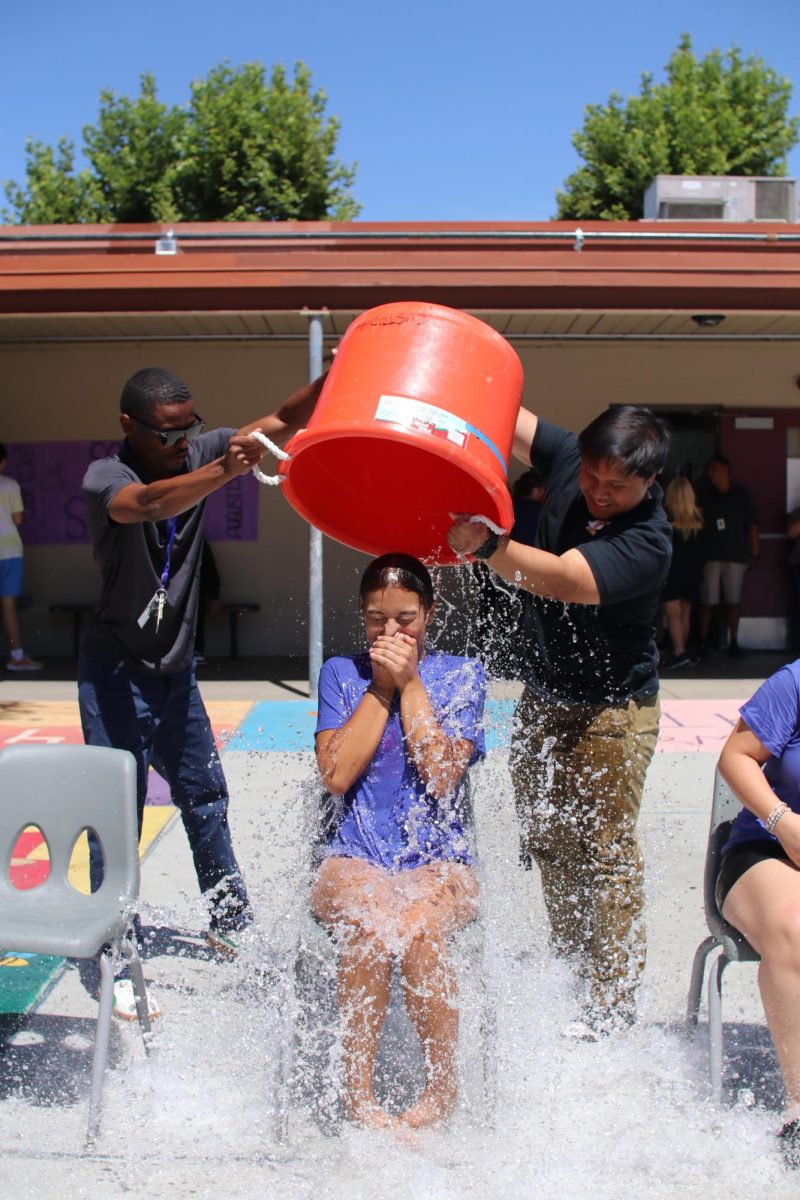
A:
[735, 650]
[680, 661]
[789, 1144]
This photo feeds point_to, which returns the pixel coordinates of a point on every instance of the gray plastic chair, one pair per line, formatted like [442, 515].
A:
[733, 946]
[65, 790]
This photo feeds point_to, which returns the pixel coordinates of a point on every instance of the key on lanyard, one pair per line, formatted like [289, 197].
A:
[161, 600]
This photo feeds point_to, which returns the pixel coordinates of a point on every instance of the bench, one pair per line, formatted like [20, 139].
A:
[233, 608]
[77, 612]
[234, 611]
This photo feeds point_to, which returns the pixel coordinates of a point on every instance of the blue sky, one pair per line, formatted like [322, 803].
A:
[452, 111]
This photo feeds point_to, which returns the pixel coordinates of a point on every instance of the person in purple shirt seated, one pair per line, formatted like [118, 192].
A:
[758, 885]
[397, 730]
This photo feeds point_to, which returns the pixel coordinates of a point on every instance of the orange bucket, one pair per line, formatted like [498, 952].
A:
[415, 421]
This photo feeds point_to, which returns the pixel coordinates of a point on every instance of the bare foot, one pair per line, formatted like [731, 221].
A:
[369, 1115]
[434, 1107]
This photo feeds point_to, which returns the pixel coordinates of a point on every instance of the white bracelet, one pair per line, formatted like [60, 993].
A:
[775, 816]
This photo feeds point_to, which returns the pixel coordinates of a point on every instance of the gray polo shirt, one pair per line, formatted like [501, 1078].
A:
[132, 559]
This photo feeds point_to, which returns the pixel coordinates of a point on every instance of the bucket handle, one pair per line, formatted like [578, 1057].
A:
[281, 455]
[478, 519]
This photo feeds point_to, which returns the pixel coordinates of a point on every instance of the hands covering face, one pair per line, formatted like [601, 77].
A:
[394, 659]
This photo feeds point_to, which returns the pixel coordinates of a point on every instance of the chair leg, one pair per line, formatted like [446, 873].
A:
[140, 995]
[489, 1050]
[715, 1026]
[102, 1037]
[284, 1003]
[283, 1069]
[696, 983]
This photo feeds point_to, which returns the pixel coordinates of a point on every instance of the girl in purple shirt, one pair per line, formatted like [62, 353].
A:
[758, 886]
[396, 733]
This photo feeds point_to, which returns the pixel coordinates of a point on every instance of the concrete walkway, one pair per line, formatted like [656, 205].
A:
[621, 1119]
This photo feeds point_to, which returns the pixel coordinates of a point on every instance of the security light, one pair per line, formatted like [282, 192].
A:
[708, 320]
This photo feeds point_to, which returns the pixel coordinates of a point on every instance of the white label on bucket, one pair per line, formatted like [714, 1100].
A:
[428, 418]
[417, 414]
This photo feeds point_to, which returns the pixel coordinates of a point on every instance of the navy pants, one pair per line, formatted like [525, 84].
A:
[162, 720]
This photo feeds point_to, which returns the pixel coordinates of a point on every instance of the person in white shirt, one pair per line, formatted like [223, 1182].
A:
[11, 569]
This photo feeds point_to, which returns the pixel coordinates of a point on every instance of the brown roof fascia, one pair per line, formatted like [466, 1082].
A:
[352, 266]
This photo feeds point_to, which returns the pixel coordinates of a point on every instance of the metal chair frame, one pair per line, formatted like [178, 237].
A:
[732, 945]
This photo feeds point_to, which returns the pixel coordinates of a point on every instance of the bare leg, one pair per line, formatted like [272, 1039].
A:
[732, 611]
[349, 896]
[365, 972]
[442, 898]
[431, 994]
[705, 620]
[8, 614]
[676, 626]
[686, 620]
[765, 905]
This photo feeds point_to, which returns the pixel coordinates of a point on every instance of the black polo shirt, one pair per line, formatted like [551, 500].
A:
[131, 560]
[727, 519]
[592, 653]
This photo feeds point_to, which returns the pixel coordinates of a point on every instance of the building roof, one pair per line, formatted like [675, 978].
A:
[530, 280]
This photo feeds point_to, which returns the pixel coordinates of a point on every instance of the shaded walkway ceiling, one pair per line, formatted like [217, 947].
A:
[536, 281]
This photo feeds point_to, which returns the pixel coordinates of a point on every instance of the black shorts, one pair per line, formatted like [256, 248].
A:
[740, 859]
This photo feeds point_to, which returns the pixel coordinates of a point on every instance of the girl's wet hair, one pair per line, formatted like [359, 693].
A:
[398, 570]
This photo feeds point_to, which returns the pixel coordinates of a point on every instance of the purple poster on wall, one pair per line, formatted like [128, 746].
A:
[50, 475]
[232, 512]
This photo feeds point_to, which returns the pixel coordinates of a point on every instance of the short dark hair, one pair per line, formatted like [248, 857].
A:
[149, 387]
[719, 458]
[398, 570]
[629, 434]
[3, 452]
[524, 484]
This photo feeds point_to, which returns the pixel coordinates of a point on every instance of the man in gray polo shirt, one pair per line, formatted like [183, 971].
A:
[136, 682]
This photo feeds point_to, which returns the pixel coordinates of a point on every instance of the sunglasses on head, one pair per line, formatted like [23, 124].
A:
[170, 437]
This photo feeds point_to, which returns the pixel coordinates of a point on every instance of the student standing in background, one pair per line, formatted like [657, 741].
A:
[11, 512]
[682, 589]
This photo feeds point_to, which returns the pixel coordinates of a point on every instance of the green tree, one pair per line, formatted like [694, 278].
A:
[245, 148]
[56, 194]
[719, 115]
[136, 151]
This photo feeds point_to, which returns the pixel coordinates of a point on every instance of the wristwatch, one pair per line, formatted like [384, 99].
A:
[488, 548]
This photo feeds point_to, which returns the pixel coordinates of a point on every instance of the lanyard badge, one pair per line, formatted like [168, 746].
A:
[158, 601]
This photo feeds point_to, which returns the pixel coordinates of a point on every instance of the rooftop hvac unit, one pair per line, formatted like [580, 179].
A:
[720, 198]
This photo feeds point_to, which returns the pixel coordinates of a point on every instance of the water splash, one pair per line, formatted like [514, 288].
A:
[621, 1119]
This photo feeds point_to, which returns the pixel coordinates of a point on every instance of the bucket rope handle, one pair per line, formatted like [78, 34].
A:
[281, 455]
[480, 520]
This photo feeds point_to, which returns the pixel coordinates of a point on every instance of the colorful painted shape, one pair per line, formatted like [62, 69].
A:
[23, 979]
[276, 725]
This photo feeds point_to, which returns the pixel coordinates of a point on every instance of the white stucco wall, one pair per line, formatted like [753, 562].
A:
[55, 392]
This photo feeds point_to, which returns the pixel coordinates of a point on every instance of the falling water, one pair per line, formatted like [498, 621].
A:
[624, 1118]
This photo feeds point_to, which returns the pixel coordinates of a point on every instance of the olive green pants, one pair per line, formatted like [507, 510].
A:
[578, 772]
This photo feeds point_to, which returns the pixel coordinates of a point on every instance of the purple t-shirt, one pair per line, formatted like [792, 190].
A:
[387, 817]
[773, 714]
